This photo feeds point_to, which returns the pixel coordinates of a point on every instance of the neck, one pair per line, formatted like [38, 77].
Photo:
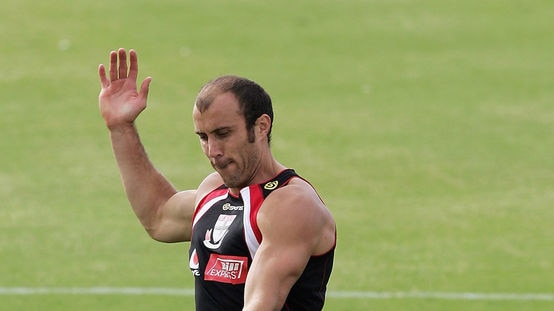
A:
[264, 171]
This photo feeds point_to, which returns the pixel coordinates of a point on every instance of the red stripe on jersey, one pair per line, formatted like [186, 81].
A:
[214, 194]
[256, 200]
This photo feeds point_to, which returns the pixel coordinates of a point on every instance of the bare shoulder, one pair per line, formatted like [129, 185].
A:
[298, 195]
[297, 209]
[209, 183]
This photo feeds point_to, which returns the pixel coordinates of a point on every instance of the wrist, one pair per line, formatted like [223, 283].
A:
[123, 127]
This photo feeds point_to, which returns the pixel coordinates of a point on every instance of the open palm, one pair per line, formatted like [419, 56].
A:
[120, 102]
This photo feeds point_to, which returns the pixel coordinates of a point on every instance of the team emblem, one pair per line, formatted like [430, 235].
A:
[271, 185]
[215, 236]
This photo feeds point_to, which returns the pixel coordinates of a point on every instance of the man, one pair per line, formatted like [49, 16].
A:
[261, 238]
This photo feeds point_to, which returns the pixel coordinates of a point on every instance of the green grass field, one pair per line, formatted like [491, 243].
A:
[427, 126]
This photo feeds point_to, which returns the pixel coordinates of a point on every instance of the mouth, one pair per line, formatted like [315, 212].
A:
[221, 164]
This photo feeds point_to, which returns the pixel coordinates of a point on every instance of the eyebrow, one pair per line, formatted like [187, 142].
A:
[223, 128]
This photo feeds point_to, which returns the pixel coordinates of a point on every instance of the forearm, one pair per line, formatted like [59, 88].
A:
[146, 188]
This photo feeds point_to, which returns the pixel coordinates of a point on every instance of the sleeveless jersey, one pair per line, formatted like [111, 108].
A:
[225, 238]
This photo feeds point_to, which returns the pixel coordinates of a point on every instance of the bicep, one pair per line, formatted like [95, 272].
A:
[175, 218]
[274, 271]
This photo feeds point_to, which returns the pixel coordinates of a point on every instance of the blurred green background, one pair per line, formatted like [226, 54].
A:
[427, 127]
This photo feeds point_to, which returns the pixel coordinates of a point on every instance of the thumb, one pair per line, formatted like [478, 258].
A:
[145, 87]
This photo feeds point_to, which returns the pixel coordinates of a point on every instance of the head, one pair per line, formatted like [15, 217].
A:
[252, 98]
[233, 119]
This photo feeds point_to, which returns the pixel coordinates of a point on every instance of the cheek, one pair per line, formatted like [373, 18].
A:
[250, 153]
[204, 147]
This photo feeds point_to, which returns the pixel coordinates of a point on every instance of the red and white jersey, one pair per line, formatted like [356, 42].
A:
[225, 238]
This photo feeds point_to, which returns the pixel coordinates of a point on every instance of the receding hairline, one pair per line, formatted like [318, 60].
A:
[213, 88]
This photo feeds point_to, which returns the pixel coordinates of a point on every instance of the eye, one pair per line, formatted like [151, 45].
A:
[222, 133]
[203, 137]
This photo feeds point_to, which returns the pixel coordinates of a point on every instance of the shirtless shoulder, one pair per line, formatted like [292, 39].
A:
[209, 183]
[297, 206]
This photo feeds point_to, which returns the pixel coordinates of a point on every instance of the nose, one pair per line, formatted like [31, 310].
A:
[213, 149]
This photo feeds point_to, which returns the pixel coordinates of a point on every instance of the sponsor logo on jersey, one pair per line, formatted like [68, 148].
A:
[226, 269]
[215, 236]
[271, 185]
[229, 207]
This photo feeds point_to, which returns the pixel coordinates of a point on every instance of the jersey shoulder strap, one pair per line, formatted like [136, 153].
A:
[279, 181]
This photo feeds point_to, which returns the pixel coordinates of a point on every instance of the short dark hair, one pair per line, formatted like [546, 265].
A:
[253, 100]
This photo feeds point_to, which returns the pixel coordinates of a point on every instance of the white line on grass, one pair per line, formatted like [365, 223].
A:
[330, 294]
[440, 295]
[96, 291]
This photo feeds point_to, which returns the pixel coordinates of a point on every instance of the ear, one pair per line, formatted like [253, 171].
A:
[263, 124]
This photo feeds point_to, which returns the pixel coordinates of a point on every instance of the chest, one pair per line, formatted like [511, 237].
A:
[219, 227]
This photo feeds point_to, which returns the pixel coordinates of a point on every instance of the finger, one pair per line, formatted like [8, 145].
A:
[133, 62]
[113, 65]
[104, 82]
[122, 63]
[144, 88]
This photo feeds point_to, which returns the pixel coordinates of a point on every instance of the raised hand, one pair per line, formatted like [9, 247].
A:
[120, 102]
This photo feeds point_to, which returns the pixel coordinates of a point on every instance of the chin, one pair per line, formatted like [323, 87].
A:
[233, 181]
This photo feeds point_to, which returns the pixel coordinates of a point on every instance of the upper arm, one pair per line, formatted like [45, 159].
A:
[294, 224]
[175, 215]
[174, 218]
